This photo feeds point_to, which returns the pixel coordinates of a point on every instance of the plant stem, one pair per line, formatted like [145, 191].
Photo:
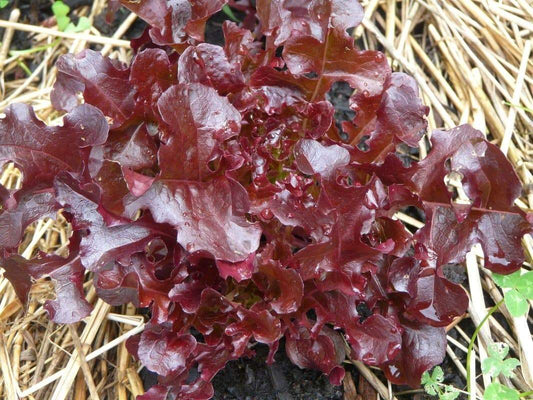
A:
[444, 385]
[24, 67]
[529, 110]
[472, 341]
[406, 392]
[526, 394]
[33, 49]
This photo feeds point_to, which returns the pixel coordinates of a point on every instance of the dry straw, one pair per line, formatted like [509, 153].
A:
[472, 61]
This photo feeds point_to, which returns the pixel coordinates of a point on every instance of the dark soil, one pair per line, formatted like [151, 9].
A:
[253, 379]
[107, 29]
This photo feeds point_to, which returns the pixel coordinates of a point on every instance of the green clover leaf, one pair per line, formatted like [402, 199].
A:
[507, 281]
[525, 285]
[508, 367]
[498, 350]
[516, 303]
[496, 364]
[497, 391]
[520, 290]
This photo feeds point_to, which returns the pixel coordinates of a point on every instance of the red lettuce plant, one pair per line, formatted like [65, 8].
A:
[212, 185]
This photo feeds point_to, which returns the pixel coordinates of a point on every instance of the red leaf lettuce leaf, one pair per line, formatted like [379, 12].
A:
[491, 218]
[100, 244]
[103, 82]
[205, 119]
[162, 351]
[39, 150]
[206, 216]
[70, 304]
[175, 22]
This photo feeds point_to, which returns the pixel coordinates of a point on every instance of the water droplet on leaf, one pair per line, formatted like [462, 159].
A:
[267, 214]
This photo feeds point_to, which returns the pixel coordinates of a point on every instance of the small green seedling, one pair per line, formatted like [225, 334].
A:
[3, 3]
[431, 382]
[64, 24]
[61, 11]
[433, 385]
[520, 291]
[496, 364]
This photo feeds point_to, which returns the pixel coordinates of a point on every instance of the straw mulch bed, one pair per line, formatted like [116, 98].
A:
[473, 62]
